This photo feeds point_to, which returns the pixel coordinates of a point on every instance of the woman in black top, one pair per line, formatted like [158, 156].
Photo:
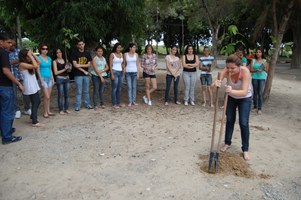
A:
[61, 70]
[190, 62]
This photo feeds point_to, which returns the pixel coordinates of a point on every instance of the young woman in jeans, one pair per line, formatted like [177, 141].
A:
[258, 69]
[117, 72]
[29, 63]
[240, 96]
[61, 71]
[132, 71]
[174, 70]
[190, 63]
[99, 72]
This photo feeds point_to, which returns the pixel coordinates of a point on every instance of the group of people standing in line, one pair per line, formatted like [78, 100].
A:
[25, 70]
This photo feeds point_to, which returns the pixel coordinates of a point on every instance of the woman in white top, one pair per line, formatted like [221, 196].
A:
[174, 70]
[99, 72]
[29, 63]
[132, 70]
[117, 71]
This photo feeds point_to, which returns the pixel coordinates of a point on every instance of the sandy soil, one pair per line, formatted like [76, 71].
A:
[156, 152]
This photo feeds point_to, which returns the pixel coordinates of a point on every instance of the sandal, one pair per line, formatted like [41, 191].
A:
[51, 114]
[46, 116]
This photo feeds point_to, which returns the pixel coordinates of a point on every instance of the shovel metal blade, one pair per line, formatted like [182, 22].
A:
[213, 159]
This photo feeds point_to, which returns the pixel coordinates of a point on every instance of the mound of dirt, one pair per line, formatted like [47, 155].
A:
[230, 164]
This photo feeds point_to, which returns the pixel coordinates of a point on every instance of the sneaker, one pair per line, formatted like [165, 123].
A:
[192, 103]
[89, 107]
[27, 112]
[145, 99]
[18, 114]
[186, 103]
[76, 109]
[178, 103]
[14, 139]
[149, 103]
[259, 112]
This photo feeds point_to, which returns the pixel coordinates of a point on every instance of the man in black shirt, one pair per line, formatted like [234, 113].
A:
[81, 61]
[7, 93]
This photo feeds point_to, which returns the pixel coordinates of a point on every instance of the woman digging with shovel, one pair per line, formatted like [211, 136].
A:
[240, 92]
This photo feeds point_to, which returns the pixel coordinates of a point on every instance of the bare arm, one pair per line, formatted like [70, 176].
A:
[111, 65]
[138, 65]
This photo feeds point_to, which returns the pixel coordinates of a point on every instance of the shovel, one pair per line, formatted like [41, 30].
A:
[213, 158]
[214, 153]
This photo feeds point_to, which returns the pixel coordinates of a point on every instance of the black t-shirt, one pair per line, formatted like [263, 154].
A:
[80, 58]
[4, 62]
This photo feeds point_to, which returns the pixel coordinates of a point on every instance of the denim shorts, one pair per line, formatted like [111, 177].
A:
[47, 82]
[206, 79]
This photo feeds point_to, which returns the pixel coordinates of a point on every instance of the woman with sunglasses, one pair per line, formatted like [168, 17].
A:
[240, 92]
[46, 78]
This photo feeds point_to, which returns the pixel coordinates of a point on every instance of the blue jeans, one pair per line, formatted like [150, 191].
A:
[63, 88]
[116, 87]
[190, 82]
[169, 78]
[6, 112]
[98, 87]
[258, 86]
[244, 108]
[82, 87]
[131, 80]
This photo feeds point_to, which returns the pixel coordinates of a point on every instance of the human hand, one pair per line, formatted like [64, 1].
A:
[228, 88]
[20, 86]
[218, 83]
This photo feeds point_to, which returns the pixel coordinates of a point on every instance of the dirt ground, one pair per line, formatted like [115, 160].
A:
[156, 152]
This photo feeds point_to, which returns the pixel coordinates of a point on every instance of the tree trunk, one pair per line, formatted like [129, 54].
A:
[296, 27]
[274, 58]
[278, 32]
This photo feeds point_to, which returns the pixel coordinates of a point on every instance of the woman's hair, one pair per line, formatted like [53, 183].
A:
[41, 46]
[260, 49]
[187, 47]
[99, 47]
[23, 58]
[130, 46]
[55, 54]
[146, 47]
[175, 46]
[233, 58]
[115, 47]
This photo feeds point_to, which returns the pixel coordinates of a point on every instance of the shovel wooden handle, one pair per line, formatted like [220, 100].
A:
[215, 115]
[223, 117]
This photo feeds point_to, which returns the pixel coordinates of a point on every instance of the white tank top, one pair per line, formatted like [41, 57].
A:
[116, 63]
[238, 85]
[30, 83]
[131, 63]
